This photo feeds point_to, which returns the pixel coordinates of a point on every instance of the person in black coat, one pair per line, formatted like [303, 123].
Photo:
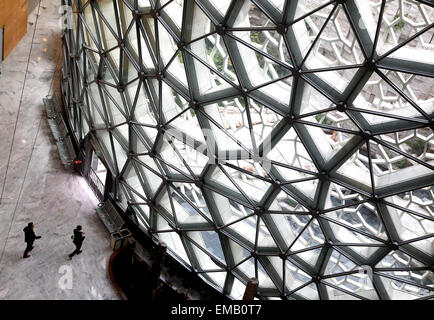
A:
[77, 240]
[29, 238]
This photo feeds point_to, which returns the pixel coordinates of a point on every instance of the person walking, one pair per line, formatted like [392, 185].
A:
[78, 238]
[29, 238]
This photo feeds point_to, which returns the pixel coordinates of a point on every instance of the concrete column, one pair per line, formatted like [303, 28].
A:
[251, 289]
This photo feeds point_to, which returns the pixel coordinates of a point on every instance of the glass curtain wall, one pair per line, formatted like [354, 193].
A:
[291, 141]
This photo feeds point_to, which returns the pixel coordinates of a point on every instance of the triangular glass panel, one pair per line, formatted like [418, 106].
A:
[377, 95]
[306, 188]
[263, 121]
[114, 102]
[401, 20]
[182, 156]
[362, 217]
[212, 51]
[366, 252]
[250, 184]
[191, 192]
[306, 6]
[89, 28]
[123, 131]
[108, 73]
[186, 214]
[247, 268]
[250, 15]
[220, 178]
[286, 203]
[420, 201]
[336, 294]
[346, 235]
[337, 80]
[337, 44]
[268, 42]
[106, 16]
[356, 169]
[306, 30]
[357, 283]
[265, 239]
[418, 88]
[172, 13]
[331, 140]
[264, 278]
[162, 224]
[205, 261]
[164, 202]
[291, 151]
[218, 278]
[417, 50]
[131, 178]
[309, 292]
[415, 282]
[410, 144]
[231, 211]
[144, 109]
[152, 178]
[314, 102]
[113, 57]
[146, 57]
[309, 257]
[177, 70]
[229, 125]
[95, 106]
[338, 263]
[277, 93]
[341, 196]
[120, 152]
[245, 229]
[180, 122]
[201, 22]
[167, 42]
[208, 240]
[258, 68]
[294, 276]
[103, 137]
[238, 289]
[310, 237]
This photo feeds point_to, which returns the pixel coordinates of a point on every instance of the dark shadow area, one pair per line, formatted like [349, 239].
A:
[135, 280]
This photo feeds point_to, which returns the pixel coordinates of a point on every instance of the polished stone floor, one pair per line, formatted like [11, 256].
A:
[35, 187]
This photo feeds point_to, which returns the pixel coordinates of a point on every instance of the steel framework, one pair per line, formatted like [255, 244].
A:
[291, 141]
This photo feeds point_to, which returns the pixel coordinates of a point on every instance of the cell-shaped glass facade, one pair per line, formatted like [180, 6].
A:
[291, 141]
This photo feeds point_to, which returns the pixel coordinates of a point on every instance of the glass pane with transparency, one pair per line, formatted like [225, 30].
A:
[182, 157]
[419, 283]
[249, 15]
[311, 236]
[401, 20]
[294, 276]
[337, 44]
[209, 241]
[258, 68]
[363, 217]
[339, 196]
[379, 96]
